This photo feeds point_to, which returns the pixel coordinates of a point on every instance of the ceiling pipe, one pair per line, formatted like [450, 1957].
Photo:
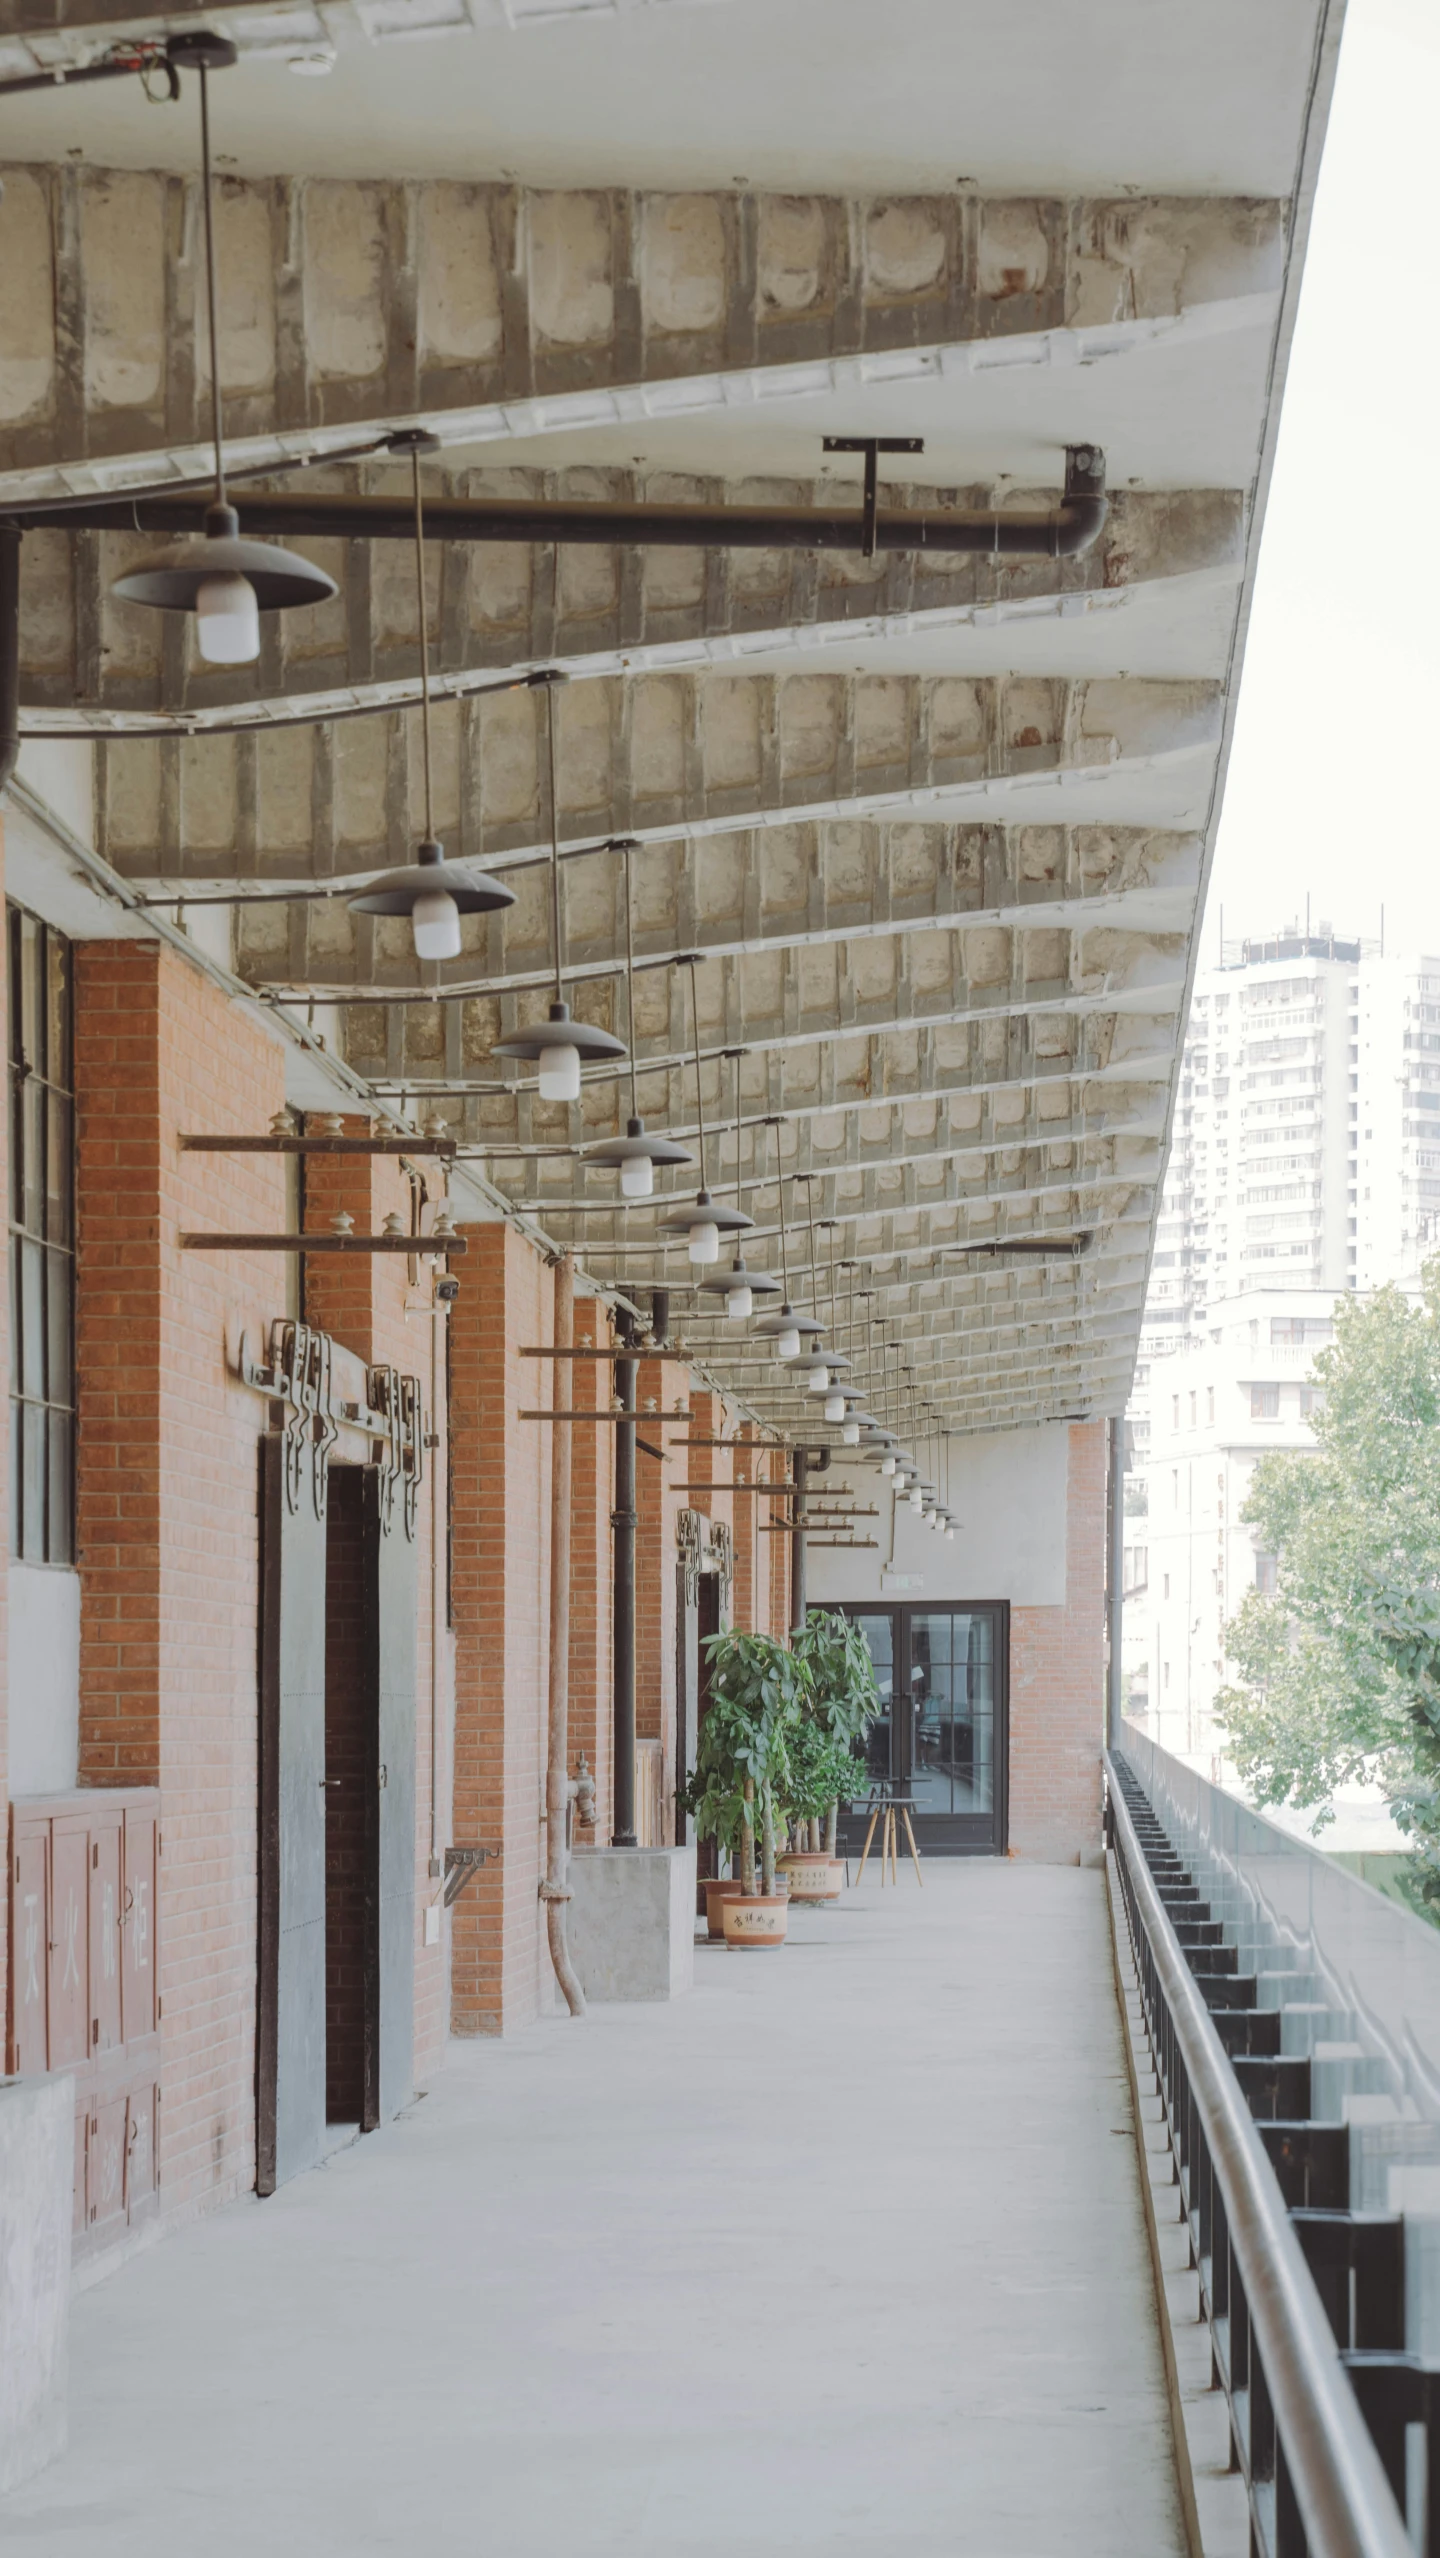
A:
[1051, 532]
[9, 652]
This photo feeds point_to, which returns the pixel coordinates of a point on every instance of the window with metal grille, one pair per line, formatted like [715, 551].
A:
[42, 1244]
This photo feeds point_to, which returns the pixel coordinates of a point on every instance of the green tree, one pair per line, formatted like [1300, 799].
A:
[742, 1763]
[1339, 1671]
[838, 1695]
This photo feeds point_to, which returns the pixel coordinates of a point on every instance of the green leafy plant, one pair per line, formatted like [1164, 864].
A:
[840, 1700]
[823, 1772]
[742, 1762]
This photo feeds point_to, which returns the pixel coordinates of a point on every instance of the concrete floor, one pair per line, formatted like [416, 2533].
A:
[843, 2252]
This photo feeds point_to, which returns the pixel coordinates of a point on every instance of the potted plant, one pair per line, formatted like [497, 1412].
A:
[741, 1772]
[840, 1699]
[823, 1772]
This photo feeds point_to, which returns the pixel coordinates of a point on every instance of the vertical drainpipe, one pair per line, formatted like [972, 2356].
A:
[9, 651]
[800, 1467]
[1115, 1576]
[623, 1522]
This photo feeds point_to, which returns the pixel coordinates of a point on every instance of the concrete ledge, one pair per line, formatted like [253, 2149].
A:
[37, 2176]
[632, 1921]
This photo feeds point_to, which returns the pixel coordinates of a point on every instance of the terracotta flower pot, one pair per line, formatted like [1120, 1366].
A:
[813, 1875]
[717, 1893]
[755, 1923]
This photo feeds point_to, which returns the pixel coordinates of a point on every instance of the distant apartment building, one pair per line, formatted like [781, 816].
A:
[1215, 1408]
[1305, 1163]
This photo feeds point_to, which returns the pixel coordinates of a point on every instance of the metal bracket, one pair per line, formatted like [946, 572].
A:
[461, 1864]
[870, 445]
[396, 1400]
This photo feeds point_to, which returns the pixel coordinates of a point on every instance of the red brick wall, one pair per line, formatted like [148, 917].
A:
[167, 1514]
[1057, 1679]
[501, 1584]
[592, 1498]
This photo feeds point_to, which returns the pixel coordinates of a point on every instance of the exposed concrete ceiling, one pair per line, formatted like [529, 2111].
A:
[936, 828]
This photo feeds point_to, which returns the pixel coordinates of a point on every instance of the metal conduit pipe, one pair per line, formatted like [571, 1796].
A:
[555, 1890]
[1334, 2469]
[1051, 532]
[623, 1522]
[804, 1463]
[9, 651]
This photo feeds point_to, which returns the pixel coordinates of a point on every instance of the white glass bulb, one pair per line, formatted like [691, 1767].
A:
[917, 1499]
[834, 1407]
[560, 1074]
[738, 1302]
[851, 1434]
[818, 1381]
[227, 621]
[949, 1536]
[637, 1177]
[705, 1241]
[934, 1518]
[435, 923]
[787, 1343]
[887, 1465]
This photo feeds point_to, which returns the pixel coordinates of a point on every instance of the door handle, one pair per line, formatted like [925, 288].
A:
[328, 1780]
[384, 1774]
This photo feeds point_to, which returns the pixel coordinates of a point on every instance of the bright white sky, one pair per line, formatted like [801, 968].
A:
[1330, 787]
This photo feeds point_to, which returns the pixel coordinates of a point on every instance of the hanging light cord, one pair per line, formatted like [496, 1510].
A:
[424, 642]
[780, 1212]
[210, 296]
[699, 1096]
[809, 1181]
[554, 834]
[629, 977]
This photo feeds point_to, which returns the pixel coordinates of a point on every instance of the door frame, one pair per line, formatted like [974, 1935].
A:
[943, 1833]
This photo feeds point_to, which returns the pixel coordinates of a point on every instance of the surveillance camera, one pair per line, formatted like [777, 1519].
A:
[446, 1291]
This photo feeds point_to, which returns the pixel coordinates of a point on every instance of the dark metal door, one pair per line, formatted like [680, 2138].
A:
[942, 1733]
[390, 2001]
[290, 2056]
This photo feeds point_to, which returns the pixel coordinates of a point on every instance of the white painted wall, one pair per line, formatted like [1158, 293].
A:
[1008, 1490]
[44, 1679]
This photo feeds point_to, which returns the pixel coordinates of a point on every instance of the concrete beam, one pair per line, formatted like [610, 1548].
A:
[497, 311]
[841, 883]
[656, 757]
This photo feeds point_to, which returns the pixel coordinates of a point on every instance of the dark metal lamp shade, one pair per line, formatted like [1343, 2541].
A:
[395, 892]
[637, 1146]
[172, 580]
[559, 1031]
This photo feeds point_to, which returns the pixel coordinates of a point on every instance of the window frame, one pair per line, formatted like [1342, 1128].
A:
[41, 1093]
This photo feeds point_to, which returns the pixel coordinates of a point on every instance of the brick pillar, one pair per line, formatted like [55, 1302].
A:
[166, 1508]
[500, 1567]
[588, 1389]
[1057, 1678]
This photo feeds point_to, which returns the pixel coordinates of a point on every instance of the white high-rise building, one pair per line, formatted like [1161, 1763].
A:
[1305, 1163]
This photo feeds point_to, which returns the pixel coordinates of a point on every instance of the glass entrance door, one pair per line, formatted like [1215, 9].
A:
[941, 1732]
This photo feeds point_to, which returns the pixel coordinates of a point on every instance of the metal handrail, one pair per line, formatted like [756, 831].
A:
[1335, 2472]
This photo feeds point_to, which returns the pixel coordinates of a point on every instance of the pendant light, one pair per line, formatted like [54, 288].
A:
[225, 582]
[636, 1153]
[434, 893]
[739, 1286]
[558, 1045]
[786, 1329]
[703, 1225]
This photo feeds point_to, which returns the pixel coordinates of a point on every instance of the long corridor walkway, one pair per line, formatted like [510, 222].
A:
[843, 2252]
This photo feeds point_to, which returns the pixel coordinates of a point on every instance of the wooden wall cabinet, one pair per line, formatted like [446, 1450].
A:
[84, 1872]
